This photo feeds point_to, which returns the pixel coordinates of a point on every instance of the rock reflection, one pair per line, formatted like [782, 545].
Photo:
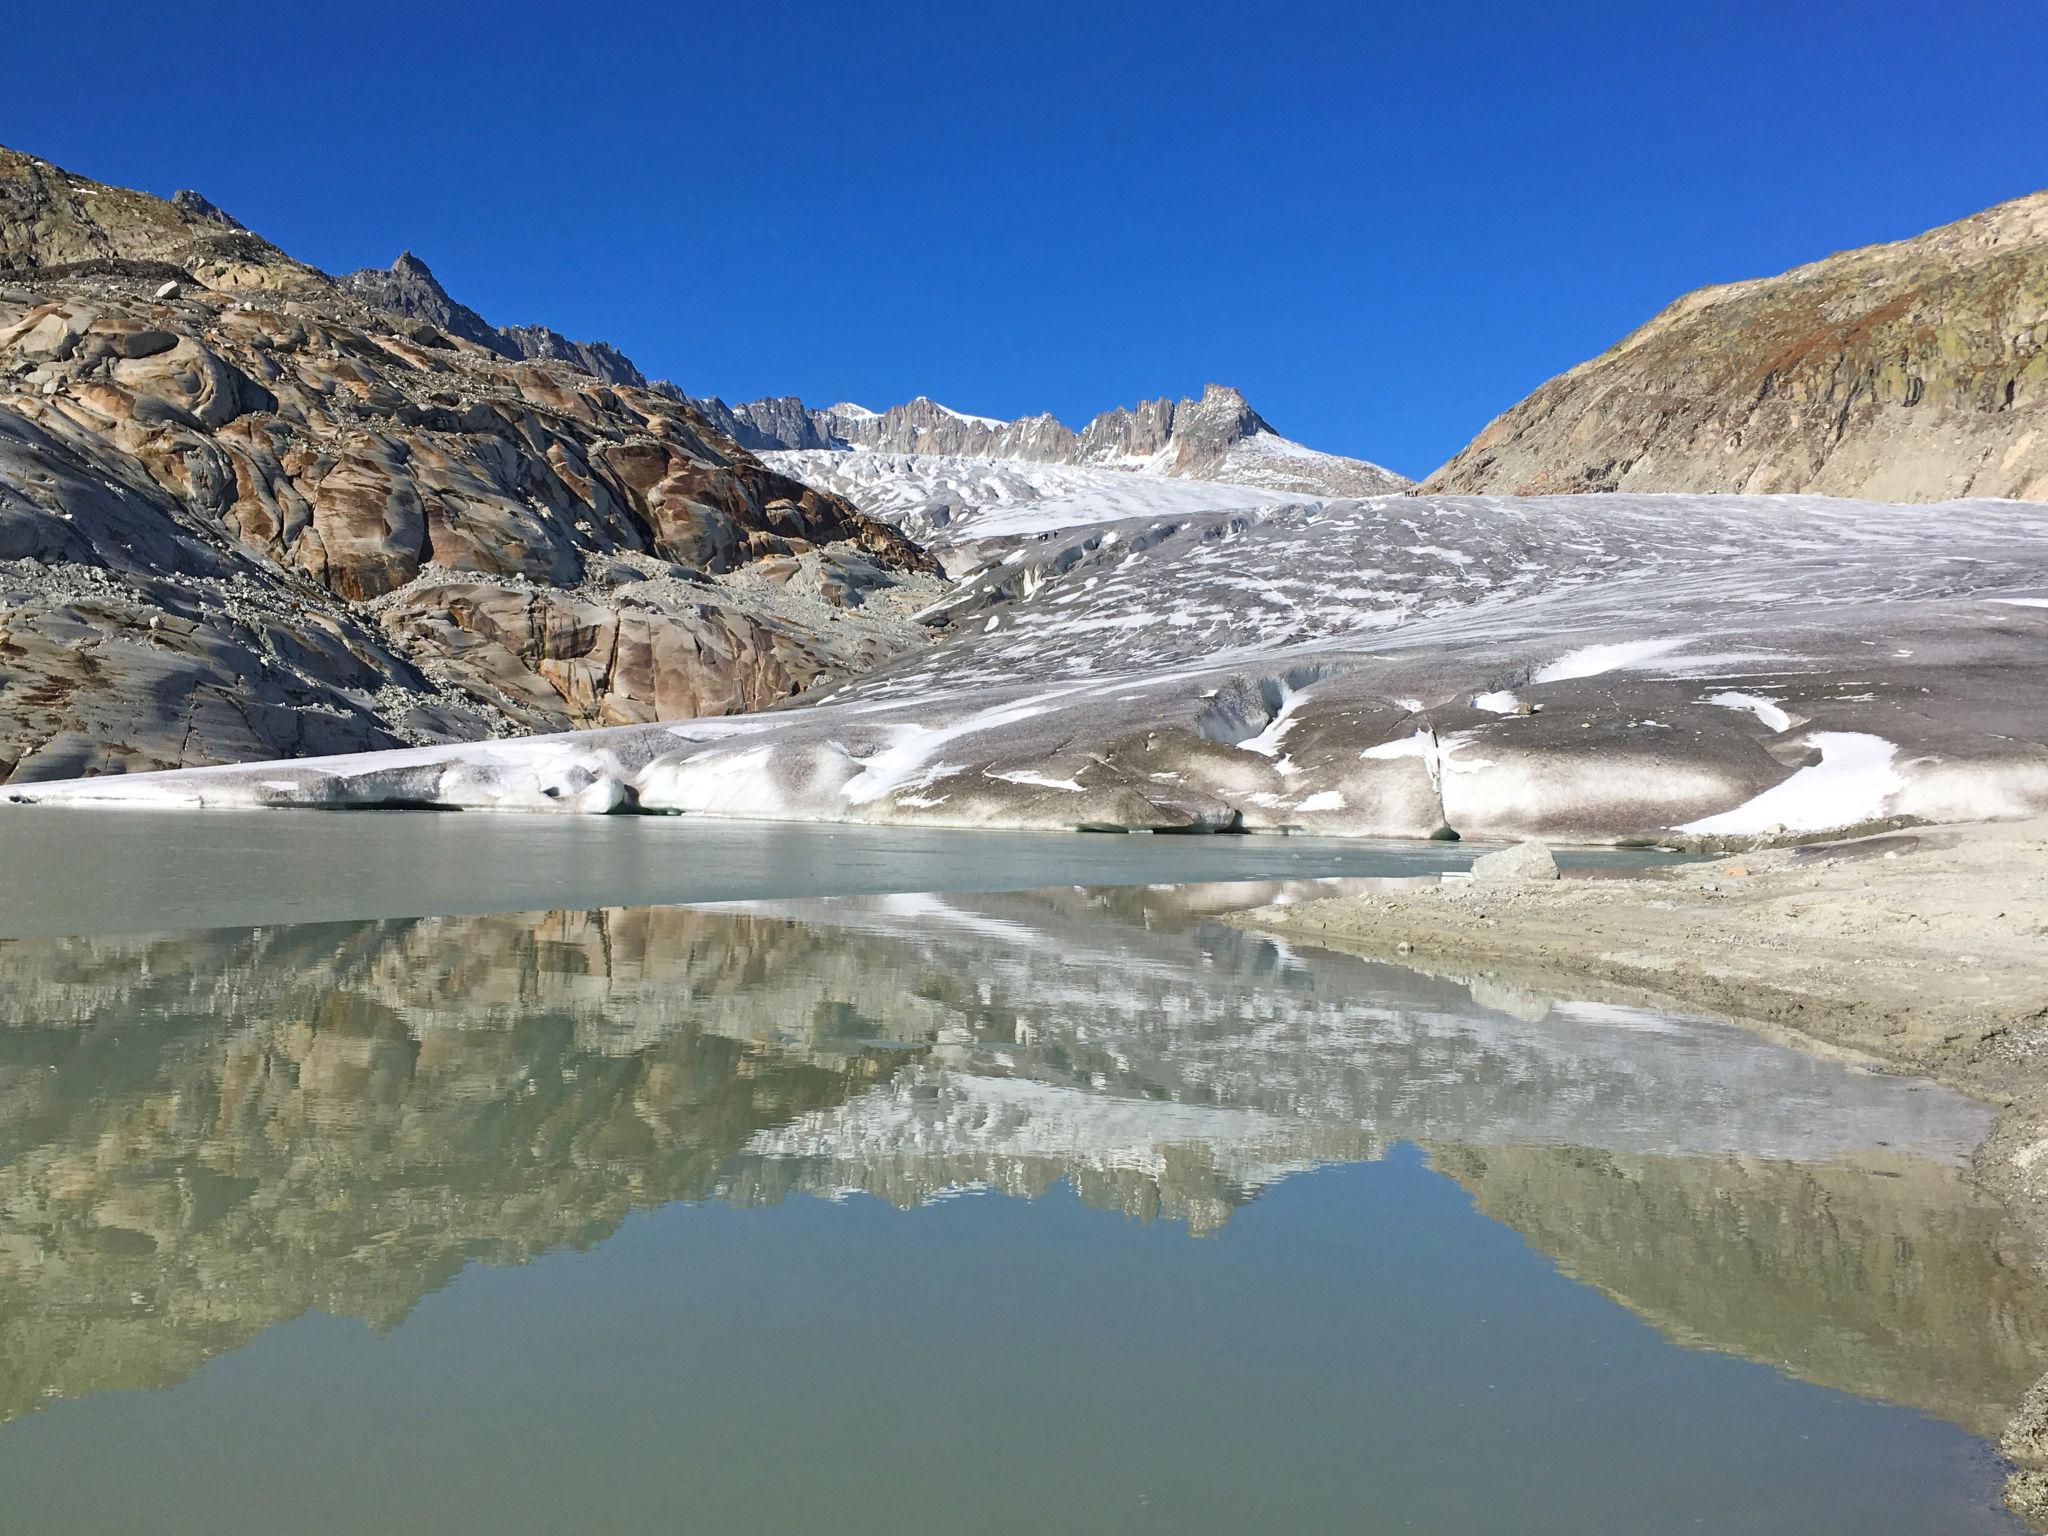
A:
[204, 1135]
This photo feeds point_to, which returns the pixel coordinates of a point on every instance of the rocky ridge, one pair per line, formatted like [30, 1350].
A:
[247, 512]
[1218, 437]
[408, 287]
[1915, 371]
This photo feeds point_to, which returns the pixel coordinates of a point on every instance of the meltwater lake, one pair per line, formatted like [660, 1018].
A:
[368, 1172]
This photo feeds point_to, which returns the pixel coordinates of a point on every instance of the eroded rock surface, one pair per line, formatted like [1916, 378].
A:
[246, 514]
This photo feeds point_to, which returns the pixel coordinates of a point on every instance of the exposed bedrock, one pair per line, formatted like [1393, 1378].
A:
[232, 503]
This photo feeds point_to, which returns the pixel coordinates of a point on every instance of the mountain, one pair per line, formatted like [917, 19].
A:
[1915, 371]
[408, 287]
[53, 222]
[249, 511]
[781, 421]
[1218, 437]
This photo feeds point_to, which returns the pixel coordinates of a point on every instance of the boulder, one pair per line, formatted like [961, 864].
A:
[1524, 861]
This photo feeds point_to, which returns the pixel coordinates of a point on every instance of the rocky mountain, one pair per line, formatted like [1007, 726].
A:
[1218, 437]
[250, 511]
[54, 224]
[779, 422]
[407, 287]
[1914, 371]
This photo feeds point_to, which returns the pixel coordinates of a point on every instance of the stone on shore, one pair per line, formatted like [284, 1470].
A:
[1524, 861]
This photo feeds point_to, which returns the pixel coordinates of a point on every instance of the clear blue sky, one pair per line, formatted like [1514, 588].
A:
[1385, 223]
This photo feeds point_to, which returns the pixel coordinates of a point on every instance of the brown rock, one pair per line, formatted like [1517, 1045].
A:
[281, 453]
[1915, 371]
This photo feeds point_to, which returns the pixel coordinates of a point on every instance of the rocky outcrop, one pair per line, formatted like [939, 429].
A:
[766, 425]
[1916, 371]
[234, 505]
[551, 660]
[408, 287]
[51, 221]
[599, 359]
[1218, 437]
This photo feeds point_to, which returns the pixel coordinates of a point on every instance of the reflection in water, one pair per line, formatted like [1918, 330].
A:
[202, 1136]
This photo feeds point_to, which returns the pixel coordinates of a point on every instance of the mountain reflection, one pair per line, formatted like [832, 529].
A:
[204, 1135]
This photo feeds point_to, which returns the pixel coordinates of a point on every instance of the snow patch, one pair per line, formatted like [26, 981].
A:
[1609, 656]
[1039, 780]
[1421, 744]
[1764, 709]
[1856, 776]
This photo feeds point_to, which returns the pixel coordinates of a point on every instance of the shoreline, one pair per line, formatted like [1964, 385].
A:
[1922, 951]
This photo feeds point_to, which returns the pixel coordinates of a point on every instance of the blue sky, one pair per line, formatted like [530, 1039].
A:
[1385, 223]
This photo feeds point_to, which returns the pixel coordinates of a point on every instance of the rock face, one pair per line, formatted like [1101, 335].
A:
[1916, 371]
[1218, 437]
[52, 219]
[780, 422]
[260, 516]
[408, 287]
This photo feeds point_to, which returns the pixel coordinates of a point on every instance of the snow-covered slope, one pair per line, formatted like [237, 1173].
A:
[1592, 668]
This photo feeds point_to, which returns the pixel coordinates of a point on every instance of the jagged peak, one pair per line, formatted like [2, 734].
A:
[1215, 434]
[410, 265]
[195, 205]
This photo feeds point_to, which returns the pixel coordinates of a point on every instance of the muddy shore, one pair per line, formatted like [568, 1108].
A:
[1923, 951]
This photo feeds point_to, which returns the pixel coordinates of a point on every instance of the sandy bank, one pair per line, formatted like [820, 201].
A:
[1925, 950]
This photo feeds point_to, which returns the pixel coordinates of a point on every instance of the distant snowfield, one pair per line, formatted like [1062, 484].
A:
[1131, 652]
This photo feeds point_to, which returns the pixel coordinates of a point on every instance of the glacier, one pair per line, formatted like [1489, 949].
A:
[1590, 668]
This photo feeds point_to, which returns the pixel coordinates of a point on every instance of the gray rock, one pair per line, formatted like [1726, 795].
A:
[409, 288]
[204, 211]
[599, 359]
[1524, 861]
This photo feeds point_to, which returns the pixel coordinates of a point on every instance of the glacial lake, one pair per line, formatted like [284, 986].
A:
[1070, 1209]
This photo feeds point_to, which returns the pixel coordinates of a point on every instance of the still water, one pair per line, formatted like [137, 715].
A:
[1060, 1211]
